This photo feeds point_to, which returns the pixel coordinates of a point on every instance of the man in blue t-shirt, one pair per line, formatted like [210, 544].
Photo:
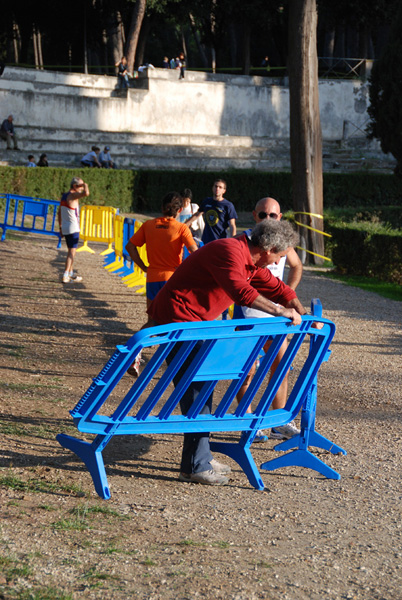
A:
[219, 214]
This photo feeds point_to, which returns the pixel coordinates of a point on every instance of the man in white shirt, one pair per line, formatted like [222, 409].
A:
[268, 208]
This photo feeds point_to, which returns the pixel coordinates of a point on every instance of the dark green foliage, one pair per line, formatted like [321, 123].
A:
[143, 190]
[361, 189]
[385, 107]
[244, 188]
[366, 248]
[107, 187]
[389, 216]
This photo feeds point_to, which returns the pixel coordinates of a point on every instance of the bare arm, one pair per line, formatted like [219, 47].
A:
[295, 269]
[77, 195]
[192, 248]
[193, 218]
[232, 227]
[133, 252]
[292, 311]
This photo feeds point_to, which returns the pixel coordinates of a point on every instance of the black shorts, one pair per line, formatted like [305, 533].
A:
[72, 239]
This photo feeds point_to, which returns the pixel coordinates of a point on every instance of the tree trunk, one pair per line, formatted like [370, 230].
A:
[200, 47]
[142, 42]
[305, 127]
[134, 32]
[115, 37]
[246, 48]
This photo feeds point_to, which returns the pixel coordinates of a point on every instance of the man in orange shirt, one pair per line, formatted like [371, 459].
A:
[164, 238]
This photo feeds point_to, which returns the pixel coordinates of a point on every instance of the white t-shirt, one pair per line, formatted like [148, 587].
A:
[276, 270]
[197, 227]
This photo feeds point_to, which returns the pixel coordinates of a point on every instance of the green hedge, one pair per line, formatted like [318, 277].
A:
[389, 216]
[366, 248]
[143, 190]
[246, 187]
[107, 187]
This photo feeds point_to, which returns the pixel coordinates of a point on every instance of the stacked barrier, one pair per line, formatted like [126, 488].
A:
[119, 262]
[97, 225]
[33, 215]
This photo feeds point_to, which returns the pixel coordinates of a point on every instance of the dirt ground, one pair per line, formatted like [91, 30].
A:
[304, 537]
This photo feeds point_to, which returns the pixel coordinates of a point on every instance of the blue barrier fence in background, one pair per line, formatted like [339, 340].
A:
[33, 215]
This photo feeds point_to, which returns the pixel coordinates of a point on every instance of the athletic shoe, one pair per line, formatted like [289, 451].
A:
[75, 277]
[219, 467]
[134, 370]
[260, 436]
[205, 477]
[66, 278]
[284, 432]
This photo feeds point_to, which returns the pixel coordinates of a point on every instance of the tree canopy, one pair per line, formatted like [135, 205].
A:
[230, 34]
[385, 89]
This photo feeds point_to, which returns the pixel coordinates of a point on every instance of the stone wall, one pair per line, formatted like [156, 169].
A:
[63, 114]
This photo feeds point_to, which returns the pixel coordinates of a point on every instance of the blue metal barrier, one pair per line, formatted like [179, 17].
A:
[33, 215]
[186, 253]
[228, 351]
[307, 436]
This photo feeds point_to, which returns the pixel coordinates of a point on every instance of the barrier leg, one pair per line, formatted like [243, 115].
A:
[316, 440]
[301, 458]
[108, 250]
[93, 460]
[85, 248]
[242, 455]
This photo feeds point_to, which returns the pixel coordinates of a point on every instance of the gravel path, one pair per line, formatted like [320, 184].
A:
[306, 537]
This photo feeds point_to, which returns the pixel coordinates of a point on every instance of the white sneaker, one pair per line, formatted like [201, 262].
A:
[284, 432]
[75, 277]
[66, 278]
[206, 477]
[260, 436]
[219, 467]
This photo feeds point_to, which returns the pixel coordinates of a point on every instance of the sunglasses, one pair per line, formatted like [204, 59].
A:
[264, 215]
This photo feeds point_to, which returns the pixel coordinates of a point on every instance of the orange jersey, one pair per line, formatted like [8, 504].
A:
[165, 238]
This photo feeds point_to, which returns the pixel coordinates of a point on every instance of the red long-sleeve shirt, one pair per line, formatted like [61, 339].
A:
[211, 279]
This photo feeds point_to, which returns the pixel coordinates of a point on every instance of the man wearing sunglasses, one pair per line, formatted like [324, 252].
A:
[268, 208]
[69, 221]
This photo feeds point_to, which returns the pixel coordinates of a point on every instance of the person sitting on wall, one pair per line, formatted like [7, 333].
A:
[122, 73]
[42, 162]
[91, 159]
[31, 162]
[105, 159]
[7, 132]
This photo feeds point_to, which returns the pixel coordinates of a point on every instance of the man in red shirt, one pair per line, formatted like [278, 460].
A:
[206, 283]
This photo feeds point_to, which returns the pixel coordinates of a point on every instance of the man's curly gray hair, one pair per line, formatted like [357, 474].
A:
[274, 235]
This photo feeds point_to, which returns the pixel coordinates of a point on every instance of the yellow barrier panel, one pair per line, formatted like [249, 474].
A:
[118, 244]
[97, 226]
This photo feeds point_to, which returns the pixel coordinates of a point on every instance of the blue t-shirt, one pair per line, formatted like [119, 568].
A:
[217, 214]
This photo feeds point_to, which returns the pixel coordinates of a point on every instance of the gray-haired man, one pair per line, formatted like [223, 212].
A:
[202, 287]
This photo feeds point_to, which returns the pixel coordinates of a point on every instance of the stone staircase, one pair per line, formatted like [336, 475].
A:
[65, 148]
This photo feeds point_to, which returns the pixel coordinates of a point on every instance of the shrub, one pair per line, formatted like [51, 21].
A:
[108, 187]
[366, 248]
[144, 190]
